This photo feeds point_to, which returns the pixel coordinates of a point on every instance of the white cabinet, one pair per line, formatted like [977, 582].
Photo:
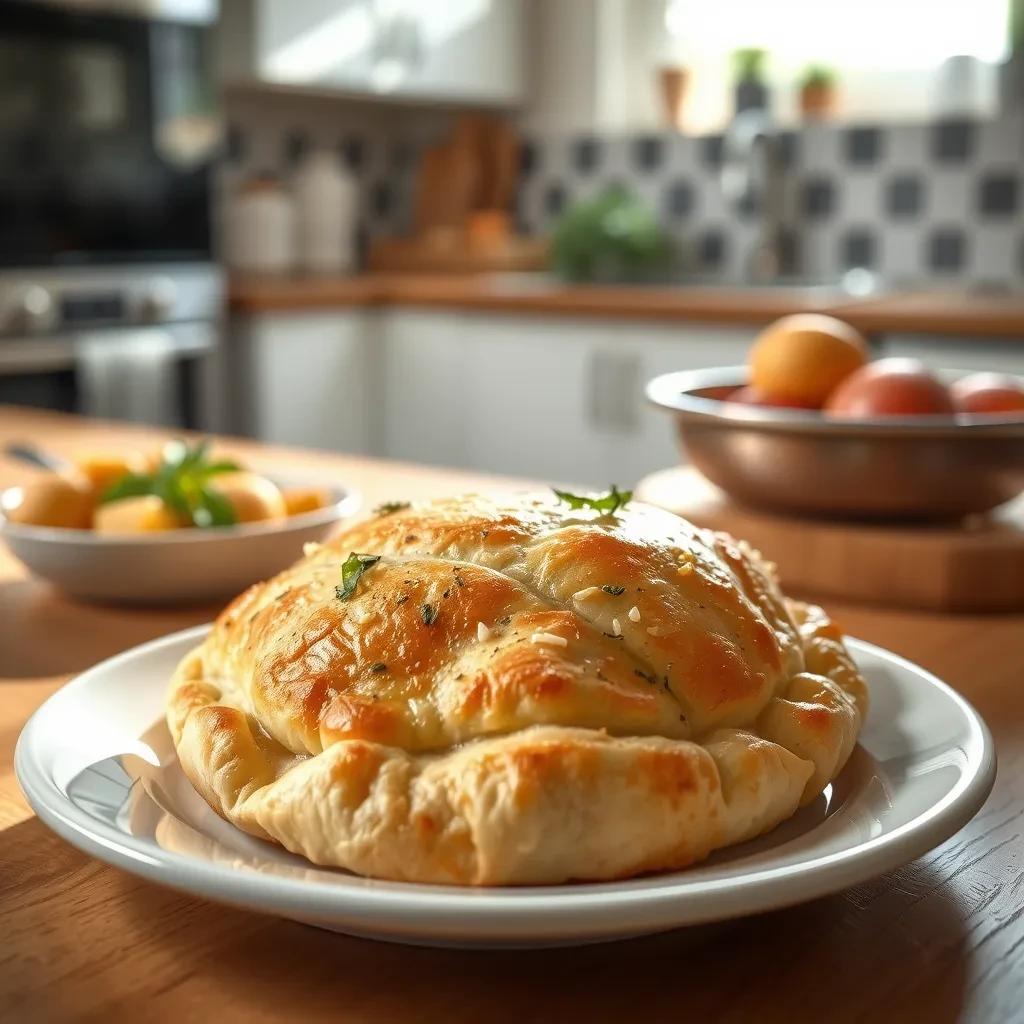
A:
[424, 387]
[958, 353]
[307, 378]
[441, 49]
[550, 398]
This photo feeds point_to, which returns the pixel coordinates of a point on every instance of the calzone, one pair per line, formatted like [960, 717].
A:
[504, 690]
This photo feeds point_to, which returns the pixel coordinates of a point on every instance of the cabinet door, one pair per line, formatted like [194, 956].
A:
[529, 397]
[958, 353]
[636, 437]
[425, 412]
[563, 399]
[309, 379]
[458, 49]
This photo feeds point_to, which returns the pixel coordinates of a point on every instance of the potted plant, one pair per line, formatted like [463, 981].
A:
[613, 238]
[751, 87]
[817, 92]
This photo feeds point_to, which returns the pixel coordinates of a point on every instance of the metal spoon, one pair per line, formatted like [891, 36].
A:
[25, 451]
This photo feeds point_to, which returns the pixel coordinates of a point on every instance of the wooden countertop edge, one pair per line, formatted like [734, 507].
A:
[910, 312]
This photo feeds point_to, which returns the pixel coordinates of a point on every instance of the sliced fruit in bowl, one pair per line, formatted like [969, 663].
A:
[186, 527]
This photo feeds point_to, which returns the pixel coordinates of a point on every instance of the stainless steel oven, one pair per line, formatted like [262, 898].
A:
[140, 344]
[110, 302]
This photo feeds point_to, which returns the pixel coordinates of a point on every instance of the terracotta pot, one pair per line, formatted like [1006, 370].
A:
[817, 101]
[674, 82]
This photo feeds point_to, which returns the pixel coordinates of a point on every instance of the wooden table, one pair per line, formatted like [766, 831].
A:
[940, 940]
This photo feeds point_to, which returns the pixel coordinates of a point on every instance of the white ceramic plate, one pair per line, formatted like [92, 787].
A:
[97, 765]
[176, 565]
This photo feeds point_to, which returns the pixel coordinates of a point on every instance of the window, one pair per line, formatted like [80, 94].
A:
[891, 58]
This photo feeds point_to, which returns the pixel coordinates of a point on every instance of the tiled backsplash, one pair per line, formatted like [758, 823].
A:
[380, 148]
[942, 201]
[915, 202]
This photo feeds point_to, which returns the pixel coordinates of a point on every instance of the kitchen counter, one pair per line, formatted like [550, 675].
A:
[937, 940]
[959, 314]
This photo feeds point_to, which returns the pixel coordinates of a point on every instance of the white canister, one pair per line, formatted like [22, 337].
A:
[261, 228]
[325, 215]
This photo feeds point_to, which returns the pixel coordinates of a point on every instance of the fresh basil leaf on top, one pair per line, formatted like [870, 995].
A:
[180, 482]
[608, 503]
[131, 485]
[352, 570]
[388, 508]
[213, 509]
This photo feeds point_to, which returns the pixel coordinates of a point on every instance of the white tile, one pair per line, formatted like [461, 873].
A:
[950, 197]
[1001, 141]
[994, 254]
[907, 147]
[901, 253]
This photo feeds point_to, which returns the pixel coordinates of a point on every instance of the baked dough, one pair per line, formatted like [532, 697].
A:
[516, 693]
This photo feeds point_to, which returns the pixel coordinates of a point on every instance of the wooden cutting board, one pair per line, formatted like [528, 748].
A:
[973, 566]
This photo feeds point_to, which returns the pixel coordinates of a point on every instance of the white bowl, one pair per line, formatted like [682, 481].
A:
[174, 566]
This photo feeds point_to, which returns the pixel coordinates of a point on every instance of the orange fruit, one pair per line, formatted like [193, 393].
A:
[988, 393]
[55, 500]
[102, 469]
[890, 387]
[299, 500]
[801, 359]
[253, 497]
[144, 514]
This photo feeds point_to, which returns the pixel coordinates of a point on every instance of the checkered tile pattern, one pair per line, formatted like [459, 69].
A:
[381, 152]
[916, 203]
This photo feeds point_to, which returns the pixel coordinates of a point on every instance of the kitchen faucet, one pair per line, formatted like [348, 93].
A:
[752, 181]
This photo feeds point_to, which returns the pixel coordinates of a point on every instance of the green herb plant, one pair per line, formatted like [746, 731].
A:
[817, 76]
[614, 237]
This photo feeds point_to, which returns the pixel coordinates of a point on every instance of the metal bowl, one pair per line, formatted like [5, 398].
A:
[791, 460]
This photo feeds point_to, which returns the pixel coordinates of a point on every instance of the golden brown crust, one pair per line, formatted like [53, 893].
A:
[516, 692]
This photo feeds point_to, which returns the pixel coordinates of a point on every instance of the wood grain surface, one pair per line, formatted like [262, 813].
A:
[951, 313]
[972, 565]
[940, 940]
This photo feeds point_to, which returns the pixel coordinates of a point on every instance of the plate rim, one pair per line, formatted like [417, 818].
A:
[587, 903]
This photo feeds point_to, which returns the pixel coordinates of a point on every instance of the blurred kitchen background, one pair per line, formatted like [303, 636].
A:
[467, 232]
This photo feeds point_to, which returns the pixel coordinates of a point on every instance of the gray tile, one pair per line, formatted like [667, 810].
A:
[863, 145]
[904, 196]
[947, 250]
[953, 140]
[998, 194]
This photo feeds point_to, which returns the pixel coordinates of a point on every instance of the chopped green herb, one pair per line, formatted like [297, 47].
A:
[378, 666]
[181, 482]
[608, 588]
[613, 636]
[646, 676]
[505, 620]
[352, 570]
[387, 508]
[428, 613]
[609, 503]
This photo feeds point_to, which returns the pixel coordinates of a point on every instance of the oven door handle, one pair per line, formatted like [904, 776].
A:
[45, 355]
[18, 358]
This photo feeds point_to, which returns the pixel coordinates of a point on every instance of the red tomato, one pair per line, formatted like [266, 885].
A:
[749, 395]
[988, 393]
[890, 387]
